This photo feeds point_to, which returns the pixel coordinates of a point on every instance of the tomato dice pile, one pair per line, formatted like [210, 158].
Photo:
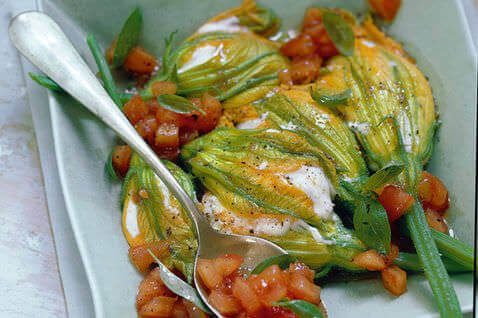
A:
[307, 50]
[154, 299]
[433, 196]
[232, 294]
[166, 131]
[394, 278]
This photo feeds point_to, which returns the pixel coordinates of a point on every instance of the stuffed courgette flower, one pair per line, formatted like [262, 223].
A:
[227, 56]
[392, 112]
[272, 184]
[152, 213]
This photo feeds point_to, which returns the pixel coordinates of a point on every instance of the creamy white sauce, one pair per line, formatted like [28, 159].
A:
[202, 55]
[362, 128]
[265, 226]
[132, 219]
[167, 197]
[368, 43]
[230, 24]
[315, 184]
[223, 220]
[253, 123]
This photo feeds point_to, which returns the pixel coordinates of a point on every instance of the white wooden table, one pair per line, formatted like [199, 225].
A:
[30, 284]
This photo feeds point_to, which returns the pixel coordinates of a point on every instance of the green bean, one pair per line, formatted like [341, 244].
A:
[104, 70]
[434, 269]
[411, 262]
[454, 249]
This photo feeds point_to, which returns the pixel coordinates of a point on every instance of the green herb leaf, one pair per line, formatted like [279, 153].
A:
[371, 224]
[301, 308]
[46, 82]
[109, 167]
[282, 260]
[331, 101]
[178, 286]
[128, 37]
[104, 70]
[339, 31]
[383, 176]
[177, 104]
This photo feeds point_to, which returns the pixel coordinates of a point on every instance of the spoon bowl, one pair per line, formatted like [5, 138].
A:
[43, 42]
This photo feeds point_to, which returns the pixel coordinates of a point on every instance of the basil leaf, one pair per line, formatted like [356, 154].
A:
[371, 225]
[339, 31]
[383, 176]
[46, 82]
[282, 260]
[178, 286]
[109, 166]
[104, 70]
[128, 37]
[331, 101]
[177, 104]
[301, 308]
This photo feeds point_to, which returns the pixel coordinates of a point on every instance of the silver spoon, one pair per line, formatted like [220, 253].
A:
[43, 42]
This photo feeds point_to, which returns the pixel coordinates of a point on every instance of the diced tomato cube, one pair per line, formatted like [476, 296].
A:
[394, 280]
[304, 69]
[225, 304]
[135, 109]
[285, 77]
[213, 109]
[120, 159]
[303, 288]
[279, 312]
[226, 264]
[301, 45]
[193, 310]
[301, 268]
[140, 61]
[436, 221]
[246, 295]
[179, 310]
[270, 285]
[150, 288]
[395, 201]
[386, 9]
[167, 135]
[370, 260]
[433, 193]
[146, 128]
[312, 17]
[163, 87]
[140, 256]
[208, 273]
[325, 46]
[158, 307]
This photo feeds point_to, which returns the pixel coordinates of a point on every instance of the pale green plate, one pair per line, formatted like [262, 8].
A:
[433, 31]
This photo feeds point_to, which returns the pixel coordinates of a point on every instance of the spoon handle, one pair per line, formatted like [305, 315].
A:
[43, 42]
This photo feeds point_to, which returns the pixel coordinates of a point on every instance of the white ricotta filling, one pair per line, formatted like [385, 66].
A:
[230, 24]
[132, 219]
[315, 184]
[253, 123]
[202, 55]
